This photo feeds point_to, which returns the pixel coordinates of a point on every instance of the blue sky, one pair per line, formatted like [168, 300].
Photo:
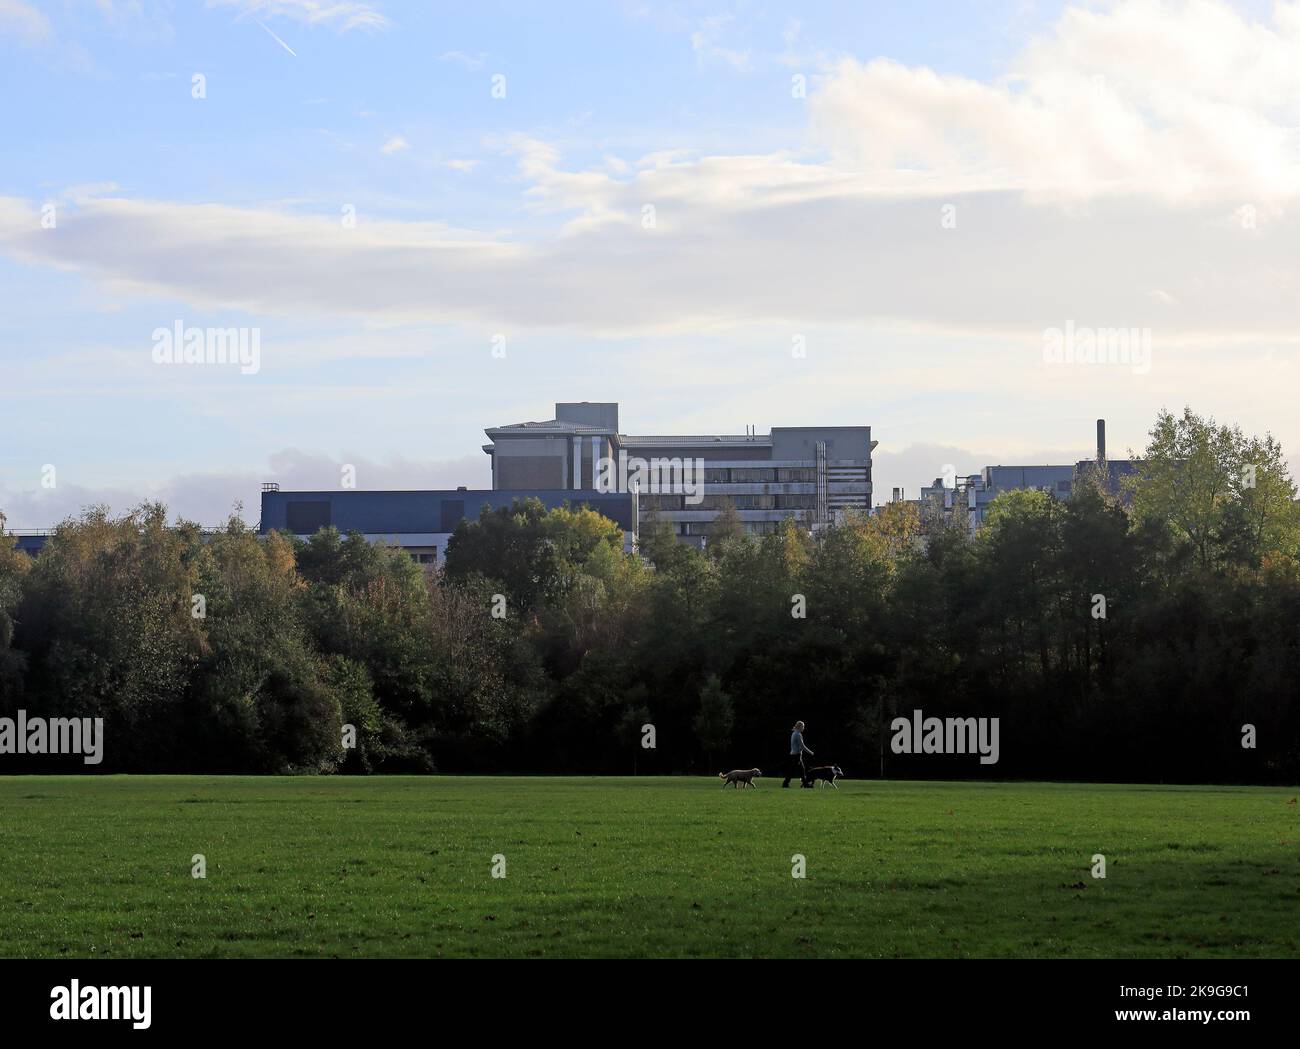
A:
[1129, 164]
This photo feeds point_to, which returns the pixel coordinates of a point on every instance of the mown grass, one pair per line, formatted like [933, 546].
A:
[401, 866]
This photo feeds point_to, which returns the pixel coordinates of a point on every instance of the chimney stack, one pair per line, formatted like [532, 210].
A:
[1101, 440]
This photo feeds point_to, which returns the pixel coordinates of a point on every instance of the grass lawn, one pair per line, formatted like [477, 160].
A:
[673, 867]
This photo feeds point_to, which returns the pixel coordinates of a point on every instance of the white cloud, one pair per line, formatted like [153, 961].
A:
[1111, 203]
[394, 145]
[337, 14]
[706, 42]
[736, 240]
[1177, 101]
[460, 58]
[23, 21]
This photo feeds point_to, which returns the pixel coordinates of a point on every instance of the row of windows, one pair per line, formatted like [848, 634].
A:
[697, 528]
[740, 502]
[760, 474]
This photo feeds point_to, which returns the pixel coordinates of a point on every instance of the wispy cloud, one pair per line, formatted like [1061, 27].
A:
[23, 21]
[460, 58]
[336, 14]
[209, 498]
[396, 144]
[706, 41]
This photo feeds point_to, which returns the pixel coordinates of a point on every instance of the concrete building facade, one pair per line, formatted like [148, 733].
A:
[805, 474]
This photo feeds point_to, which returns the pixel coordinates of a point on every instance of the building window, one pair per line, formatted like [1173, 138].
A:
[662, 502]
[740, 502]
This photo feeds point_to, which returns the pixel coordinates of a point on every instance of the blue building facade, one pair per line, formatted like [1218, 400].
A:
[420, 522]
[31, 543]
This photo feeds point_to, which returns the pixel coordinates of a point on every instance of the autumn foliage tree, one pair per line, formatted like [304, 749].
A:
[1130, 635]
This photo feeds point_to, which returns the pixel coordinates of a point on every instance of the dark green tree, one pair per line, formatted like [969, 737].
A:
[715, 719]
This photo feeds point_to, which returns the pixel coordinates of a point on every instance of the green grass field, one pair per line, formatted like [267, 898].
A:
[344, 867]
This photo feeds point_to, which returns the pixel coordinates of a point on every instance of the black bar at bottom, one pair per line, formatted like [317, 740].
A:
[610, 1000]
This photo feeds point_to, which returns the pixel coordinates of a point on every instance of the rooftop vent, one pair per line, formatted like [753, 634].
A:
[270, 486]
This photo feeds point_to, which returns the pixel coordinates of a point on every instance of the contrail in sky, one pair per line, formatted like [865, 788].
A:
[277, 39]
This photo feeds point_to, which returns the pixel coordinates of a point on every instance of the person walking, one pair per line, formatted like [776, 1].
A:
[795, 765]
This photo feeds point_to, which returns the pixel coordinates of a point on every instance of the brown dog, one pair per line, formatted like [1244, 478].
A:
[738, 776]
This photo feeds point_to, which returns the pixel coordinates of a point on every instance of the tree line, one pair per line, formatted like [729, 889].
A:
[1150, 634]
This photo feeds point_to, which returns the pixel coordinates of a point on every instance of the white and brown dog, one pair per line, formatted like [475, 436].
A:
[738, 776]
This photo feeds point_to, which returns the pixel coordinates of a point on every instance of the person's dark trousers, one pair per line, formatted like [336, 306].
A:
[793, 769]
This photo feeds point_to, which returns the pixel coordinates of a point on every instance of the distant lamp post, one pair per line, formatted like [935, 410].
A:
[636, 515]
